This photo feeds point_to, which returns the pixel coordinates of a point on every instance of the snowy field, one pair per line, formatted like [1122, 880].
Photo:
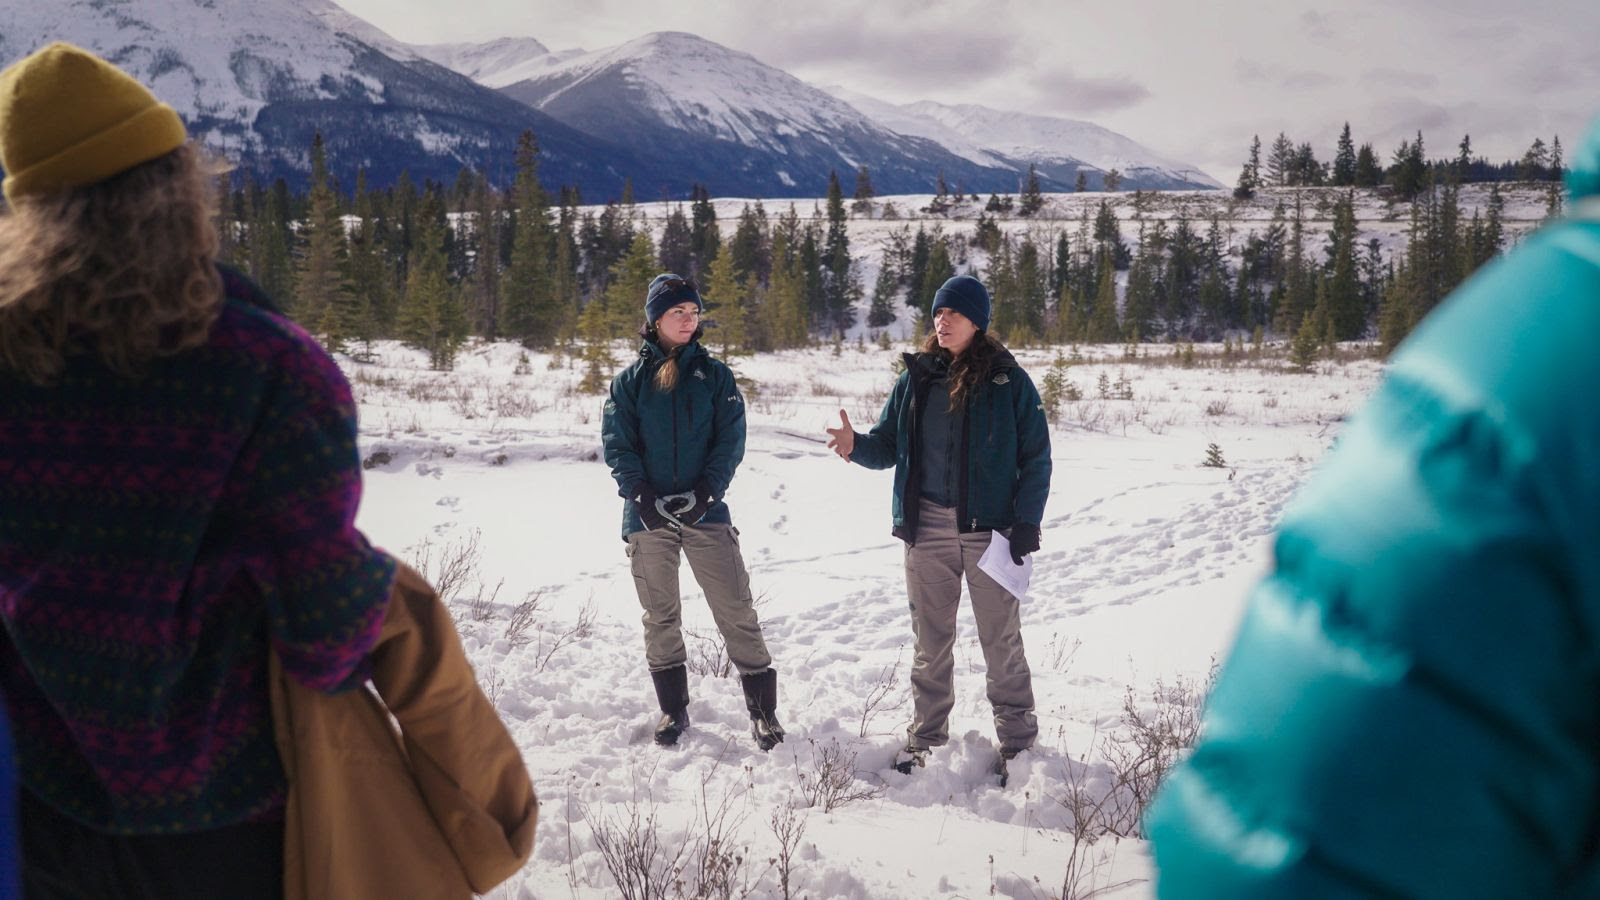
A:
[492, 473]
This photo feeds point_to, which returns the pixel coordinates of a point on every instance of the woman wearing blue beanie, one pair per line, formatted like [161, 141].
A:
[674, 434]
[965, 432]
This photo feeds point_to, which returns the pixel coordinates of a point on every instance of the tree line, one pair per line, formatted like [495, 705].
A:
[1288, 164]
[435, 264]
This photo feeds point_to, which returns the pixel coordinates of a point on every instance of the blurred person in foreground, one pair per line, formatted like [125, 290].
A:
[1412, 704]
[179, 482]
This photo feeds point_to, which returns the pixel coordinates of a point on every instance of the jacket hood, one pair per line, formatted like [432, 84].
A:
[1583, 179]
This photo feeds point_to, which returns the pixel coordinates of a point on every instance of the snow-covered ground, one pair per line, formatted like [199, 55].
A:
[1147, 555]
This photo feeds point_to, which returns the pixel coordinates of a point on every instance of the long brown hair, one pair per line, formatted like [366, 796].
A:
[124, 268]
[971, 368]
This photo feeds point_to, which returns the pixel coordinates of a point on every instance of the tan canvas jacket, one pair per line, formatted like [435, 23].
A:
[422, 794]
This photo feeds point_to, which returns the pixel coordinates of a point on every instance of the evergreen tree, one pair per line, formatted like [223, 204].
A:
[784, 309]
[322, 284]
[272, 237]
[705, 237]
[861, 201]
[1102, 326]
[1534, 165]
[1250, 172]
[532, 314]
[484, 279]
[752, 260]
[1344, 160]
[938, 270]
[1280, 161]
[1032, 200]
[370, 281]
[1464, 158]
[884, 292]
[1345, 310]
[1367, 172]
[677, 243]
[1303, 349]
[625, 292]
[1558, 164]
[430, 316]
[1112, 181]
[1081, 184]
[839, 282]
[726, 299]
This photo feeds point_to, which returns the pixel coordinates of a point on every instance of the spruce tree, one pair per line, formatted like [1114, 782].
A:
[885, 290]
[1112, 181]
[370, 280]
[1102, 326]
[705, 237]
[1345, 309]
[1558, 164]
[322, 286]
[485, 274]
[1032, 199]
[1344, 160]
[1303, 349]
[1368, 174]
[531, 313]
[430, 316]
[677, 244]
[1280, 161]
[861, 201]
[726, 302]
[1081, 183]
[1464, 158]
[630, 279]
[839, 282]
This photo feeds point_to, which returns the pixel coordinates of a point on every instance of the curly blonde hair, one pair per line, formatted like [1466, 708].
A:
[125, 269]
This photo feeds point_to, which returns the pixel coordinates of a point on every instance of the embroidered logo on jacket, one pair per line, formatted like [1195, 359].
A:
[700, 374]
[1002, 378]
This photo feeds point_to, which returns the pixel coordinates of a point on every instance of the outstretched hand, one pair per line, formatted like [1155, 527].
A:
[842, 440]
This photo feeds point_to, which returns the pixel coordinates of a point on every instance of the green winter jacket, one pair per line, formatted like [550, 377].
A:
[1412, 706]
[671, 441]
[1005, 458]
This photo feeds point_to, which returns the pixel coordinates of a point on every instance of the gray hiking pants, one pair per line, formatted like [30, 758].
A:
[713, 552]
[934, 569]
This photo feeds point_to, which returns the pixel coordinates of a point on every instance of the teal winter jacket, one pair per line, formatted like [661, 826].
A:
[674, 440]
[1412, 704]
[1005, 458]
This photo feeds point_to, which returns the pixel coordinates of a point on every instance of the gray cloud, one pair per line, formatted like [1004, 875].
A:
[1067, 92]
[1298, 80]
[1385, 77]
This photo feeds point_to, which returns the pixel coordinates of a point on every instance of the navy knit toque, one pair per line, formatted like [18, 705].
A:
[965, 295]
[666, 291]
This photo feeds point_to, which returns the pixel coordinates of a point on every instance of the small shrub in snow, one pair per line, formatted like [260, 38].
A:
[831, 781]
[1214, 458]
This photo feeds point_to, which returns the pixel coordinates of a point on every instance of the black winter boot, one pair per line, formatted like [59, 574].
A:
[761, 698]
[672, 692]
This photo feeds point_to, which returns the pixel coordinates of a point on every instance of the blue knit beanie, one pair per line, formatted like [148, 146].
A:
[965, 295]
[666, 291]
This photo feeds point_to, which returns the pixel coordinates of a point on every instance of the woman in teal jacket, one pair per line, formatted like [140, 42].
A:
[1412, 707]
[674, 433]
[966, 434]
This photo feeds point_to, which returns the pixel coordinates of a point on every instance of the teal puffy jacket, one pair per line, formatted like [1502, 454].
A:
[1005, 459]
[675, 439]
[1412, 706]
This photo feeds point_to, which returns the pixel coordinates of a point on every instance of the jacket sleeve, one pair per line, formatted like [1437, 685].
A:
[325, 587]
[619, 434]
[1033, 451]
[1409, 706]
[727, 436]
[879, 447]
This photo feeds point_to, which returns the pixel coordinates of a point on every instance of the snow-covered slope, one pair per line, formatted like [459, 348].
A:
[1052, 144]
[734, 123]
[496, 63]
[256, 78]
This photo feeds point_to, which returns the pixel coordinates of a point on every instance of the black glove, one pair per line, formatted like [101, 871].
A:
[1024, 540]
[644, 502]
[702, 502]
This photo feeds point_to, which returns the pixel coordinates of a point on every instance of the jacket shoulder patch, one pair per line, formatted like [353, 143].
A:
[1002, 378]
[700, 374]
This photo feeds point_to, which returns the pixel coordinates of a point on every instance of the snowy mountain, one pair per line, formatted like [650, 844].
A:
[256, 79]
[1057, 147]
[496, 63]
[739, 126]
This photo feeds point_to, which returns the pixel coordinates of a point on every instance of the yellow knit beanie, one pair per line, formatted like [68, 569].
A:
[69, 119]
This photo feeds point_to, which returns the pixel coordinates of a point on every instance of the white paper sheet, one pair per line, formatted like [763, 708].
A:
[996, 561]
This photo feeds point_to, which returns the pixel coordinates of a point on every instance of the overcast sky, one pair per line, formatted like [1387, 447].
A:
[1190, 80]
